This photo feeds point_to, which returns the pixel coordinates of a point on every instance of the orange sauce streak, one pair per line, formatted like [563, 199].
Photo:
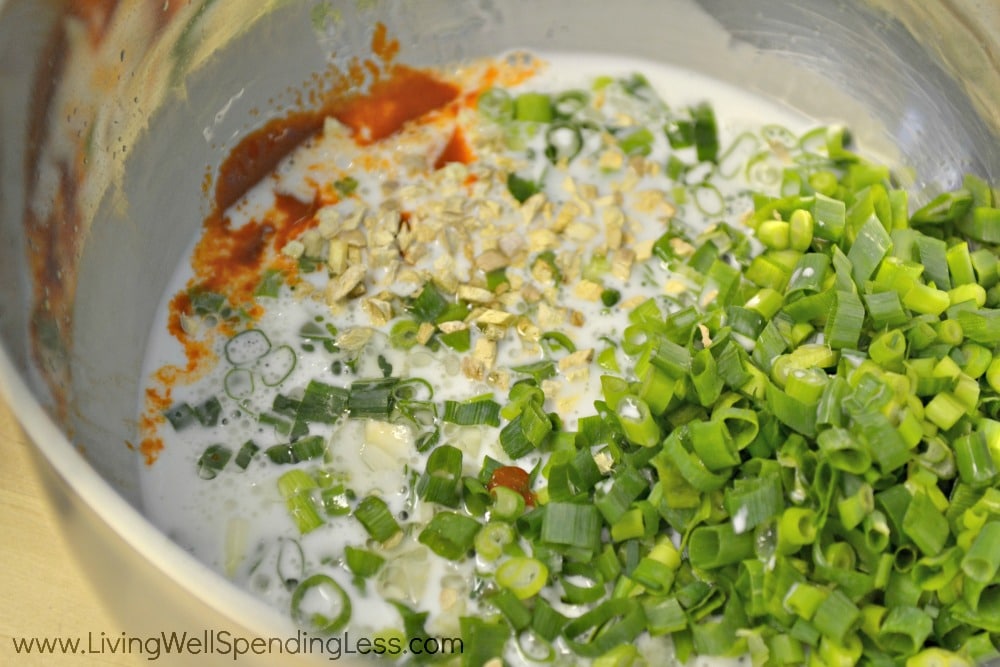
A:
[390, 103]
[383, 47]
[180, 304]
[156, 403]
[260, 152]
[199, 356]
[515, 479]
[299, 217]
[157, 399]
[228, 260]
[150, 449]
[457, 150]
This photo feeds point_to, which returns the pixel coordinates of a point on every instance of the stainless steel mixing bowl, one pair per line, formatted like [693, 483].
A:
[113, 112]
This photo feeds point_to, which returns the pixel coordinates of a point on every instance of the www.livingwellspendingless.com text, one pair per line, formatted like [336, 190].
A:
[214, 643]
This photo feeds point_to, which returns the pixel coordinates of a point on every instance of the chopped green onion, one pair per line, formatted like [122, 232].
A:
[213, 460]
[982, 561]
[296, 487]
[361, 562]
[441, 481]
[476, 412]
[610, 297]
[450, 535]
[521, 188]
[337, 500]
[247, 451]
[483, 641]
[311, 447]
[636, 141]
[180, 416]
[637, 422]
[904, 629]
[538, 370]
[516, 612]
[208, 411]
[943, 208]
[204, 302]
[680, 134]
[372, 399]
[571, 525]
[496, 278]
[346, 185]
[613, 623]
[533, 107]
[556, 340]
[270, 284]
[710, 547]
[843, 329]
[429, 305]
[527, 431]
[374, 515]
[705, 135]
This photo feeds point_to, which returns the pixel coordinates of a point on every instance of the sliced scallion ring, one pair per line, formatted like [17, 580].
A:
[421, 413]
[708, 199]
[568, 103]
[247, 347]
[239, 384]
[492, 539]
[737, 153]
[320, 603]
[496, 104]
[275, 367]
[413, 389]
[403, 335]
[557, 340]
[811, 160]
[813, 141]
[563, 141]
[581, 585]
[523, 576]
[762, 170]
[779, 135]
[534, 647]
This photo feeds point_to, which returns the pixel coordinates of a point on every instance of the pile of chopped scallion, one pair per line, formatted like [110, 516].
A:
[803, 469]
[801, 465]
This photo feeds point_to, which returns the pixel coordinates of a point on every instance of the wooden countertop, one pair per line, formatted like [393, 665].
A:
[44, 590]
